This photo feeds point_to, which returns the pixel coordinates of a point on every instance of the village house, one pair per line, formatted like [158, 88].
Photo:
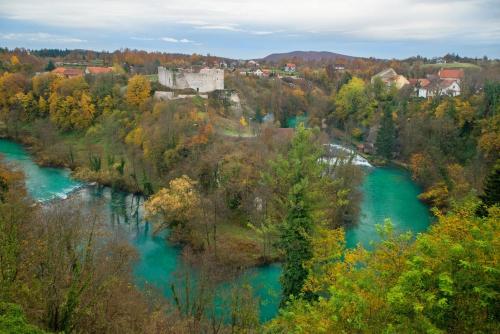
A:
[258, 72]
[339, 67]
[290, 67]
[421, 86]
[266, 72]
[451, 74]
[449, 87]
[391, 78]
[68, 72]
[446, 82]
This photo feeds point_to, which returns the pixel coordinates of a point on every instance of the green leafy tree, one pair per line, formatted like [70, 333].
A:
[13, 321]
[446, 281]
[352, 102]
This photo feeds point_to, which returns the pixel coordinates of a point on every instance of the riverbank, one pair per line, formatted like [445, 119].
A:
[237, 245]
[388, 193]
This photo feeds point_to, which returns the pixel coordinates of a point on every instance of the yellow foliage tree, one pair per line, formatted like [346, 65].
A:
[14, 60]
[71, 112]
[446, 281]
[352, 101]
[83, 117]
[138, 90]
[135, 137]
[489, 141]
[243, 122]
[176, 205]
[42, 106]
[421, 167]
[437, 195]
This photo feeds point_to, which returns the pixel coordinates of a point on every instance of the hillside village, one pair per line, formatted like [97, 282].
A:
[206, 79]
[445, 82]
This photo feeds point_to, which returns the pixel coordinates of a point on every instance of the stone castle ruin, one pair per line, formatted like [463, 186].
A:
[205, 81]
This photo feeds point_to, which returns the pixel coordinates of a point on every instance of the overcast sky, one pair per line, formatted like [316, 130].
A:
[255, 28]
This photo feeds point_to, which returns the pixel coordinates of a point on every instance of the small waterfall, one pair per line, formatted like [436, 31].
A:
[336, 152]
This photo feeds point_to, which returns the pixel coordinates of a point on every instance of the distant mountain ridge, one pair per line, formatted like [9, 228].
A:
[307, 56]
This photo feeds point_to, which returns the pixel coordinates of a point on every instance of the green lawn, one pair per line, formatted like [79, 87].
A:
[453, 65]
[152, 77]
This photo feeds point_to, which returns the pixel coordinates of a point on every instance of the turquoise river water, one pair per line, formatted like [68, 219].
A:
[387, 193]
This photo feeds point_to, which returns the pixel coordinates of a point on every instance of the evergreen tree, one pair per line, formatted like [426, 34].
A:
[491, 194]
[386, 135]
[50, 66]
[492, 187]
[298, 182]
[446, 281]
[295, 241]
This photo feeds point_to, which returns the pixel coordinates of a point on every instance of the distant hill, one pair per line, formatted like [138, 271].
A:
[307, 56]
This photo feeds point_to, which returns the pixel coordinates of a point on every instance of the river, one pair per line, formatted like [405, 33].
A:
[387, 193]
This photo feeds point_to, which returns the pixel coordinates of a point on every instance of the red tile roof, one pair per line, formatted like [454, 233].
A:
[447, 73]
[422, 82]
[58, 70]
[446, 83]
[73, 72]
[68, 72]
[99, 70]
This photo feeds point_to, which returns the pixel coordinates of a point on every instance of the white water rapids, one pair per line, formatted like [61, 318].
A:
[340, 154]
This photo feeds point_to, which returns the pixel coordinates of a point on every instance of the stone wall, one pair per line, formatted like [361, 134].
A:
[205, 81]
[165, 96]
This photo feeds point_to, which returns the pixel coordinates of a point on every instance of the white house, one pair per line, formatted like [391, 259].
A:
[290, 67]
[449, 87]
[258, 72]
[424, 88]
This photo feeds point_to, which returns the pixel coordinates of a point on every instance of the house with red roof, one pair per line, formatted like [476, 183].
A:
[68, 72]
[421, 86]
[98, 70]
[451, 74]
[290, 67]
[449, 87]
[266, 72]
[446, 82]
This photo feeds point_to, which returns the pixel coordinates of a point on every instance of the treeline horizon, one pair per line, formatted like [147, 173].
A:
[62, 52]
